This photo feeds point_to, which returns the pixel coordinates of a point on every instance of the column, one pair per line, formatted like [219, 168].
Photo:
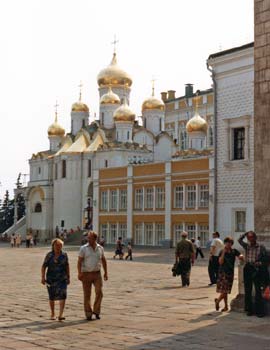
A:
[143, 199]
[168, 192]
[154, 198]
[184, 196]
[108, 200]
[96, 200]
[130, 203]
[197, 196]
[197, 230]
[118, 200]
[154, 234]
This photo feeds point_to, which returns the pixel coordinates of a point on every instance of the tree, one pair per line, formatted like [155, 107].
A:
[6, 213]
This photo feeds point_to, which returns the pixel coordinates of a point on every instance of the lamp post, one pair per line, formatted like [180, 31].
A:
[89, 214]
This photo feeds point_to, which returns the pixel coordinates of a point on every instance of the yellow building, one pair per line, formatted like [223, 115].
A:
[151, 204]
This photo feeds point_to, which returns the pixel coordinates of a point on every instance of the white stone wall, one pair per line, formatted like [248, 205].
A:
[235, 77]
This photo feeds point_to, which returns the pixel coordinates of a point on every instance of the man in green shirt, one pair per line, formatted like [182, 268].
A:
[184, 257]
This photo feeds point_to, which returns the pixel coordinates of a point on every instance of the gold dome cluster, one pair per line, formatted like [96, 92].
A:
[197, 123]
[113, 75]
[124, 114]
[153, 103]
[79, 107]
[110, 98]
[56, 129]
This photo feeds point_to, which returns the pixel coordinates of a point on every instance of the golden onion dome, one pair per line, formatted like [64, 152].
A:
[56, 129]
[124, 114]
[153, 103]
[113, 75]
[197, 123]
[110, 98]
[79, 107]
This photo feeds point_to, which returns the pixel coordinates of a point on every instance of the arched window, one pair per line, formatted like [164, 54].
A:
[38, 208]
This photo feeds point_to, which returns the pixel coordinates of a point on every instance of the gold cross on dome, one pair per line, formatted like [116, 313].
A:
[80, 91]
[153, 85]
[55, 106]
[114, 44]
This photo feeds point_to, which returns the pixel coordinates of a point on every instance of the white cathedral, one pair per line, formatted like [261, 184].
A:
[60, 190]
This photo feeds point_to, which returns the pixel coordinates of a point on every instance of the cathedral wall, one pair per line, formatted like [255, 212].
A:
[234, 76]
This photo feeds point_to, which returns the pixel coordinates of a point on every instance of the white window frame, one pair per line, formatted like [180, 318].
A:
[236, 227]
[149, 198]
[203, 195]
[104, 200]
[113, 200]
[191, 230]
[122, 230]
[160, 197]
[160, 233]
[191, 192]
[149, 231]
[204, 235]
[178, 196]
[113, 232]
[177, 229]
[138, 234]
[122, 199]
[138, 199]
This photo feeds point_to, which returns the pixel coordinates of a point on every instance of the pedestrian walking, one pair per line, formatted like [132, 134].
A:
[18, 240]
[119, 249]
[198, 248]
[56, 268]
[213, 266]
[129, 252]
[28, 239]
[91, 257]
[13, 240]
[184, 258]
[226, 272]
[255, 272]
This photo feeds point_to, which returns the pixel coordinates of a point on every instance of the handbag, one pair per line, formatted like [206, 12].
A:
[266, 293]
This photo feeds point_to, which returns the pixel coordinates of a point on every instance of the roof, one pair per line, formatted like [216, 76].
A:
[196, 93]
[229, 51]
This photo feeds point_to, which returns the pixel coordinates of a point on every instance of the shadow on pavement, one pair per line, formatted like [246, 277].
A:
[221, 335]
[39, 325]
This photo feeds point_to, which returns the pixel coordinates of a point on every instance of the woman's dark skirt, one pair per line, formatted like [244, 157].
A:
[57, 290]
[224, 282]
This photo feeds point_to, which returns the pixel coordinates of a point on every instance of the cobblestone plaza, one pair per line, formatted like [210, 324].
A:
[144, 307]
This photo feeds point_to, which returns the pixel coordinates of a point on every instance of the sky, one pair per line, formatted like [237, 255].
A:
[49, 46]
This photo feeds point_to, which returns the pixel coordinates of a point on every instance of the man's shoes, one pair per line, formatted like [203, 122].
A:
[89, 317]
[260, 315]
[211, 284]
[97, 316]
[249, 313]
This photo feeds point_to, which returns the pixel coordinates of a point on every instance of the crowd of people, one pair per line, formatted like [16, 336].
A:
[16, 240]
[222, 257]
[55, 273]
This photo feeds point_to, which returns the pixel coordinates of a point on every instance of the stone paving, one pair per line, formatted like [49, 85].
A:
[143, 308]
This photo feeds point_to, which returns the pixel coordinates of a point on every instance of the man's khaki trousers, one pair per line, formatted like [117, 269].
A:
[90, 278]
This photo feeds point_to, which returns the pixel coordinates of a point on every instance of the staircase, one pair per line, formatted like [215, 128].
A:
[19, 227]
[75, 238]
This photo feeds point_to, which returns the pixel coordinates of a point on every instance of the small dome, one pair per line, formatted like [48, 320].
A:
[56, 129]
[113, 75]
[124, 114]
[153, 103]
[197, 123]
[110, 98]
[79, 107]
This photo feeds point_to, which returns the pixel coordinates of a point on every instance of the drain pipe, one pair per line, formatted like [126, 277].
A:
[215, 142]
